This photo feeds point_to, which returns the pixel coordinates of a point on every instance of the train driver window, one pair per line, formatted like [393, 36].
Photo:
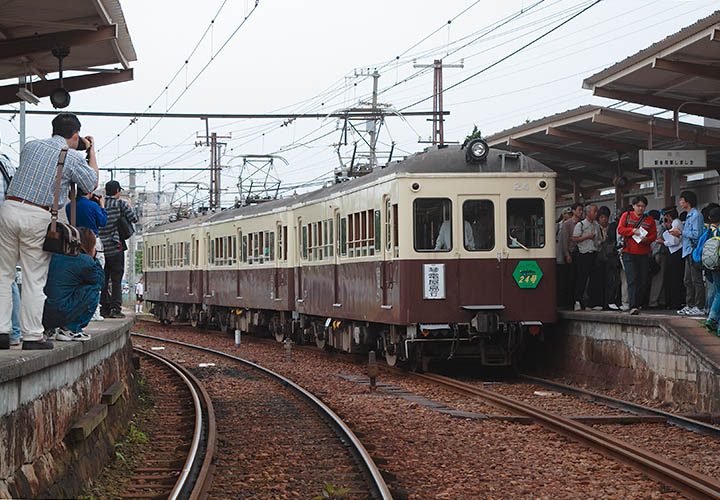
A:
[433, 224]
[526, 223]
[478, 225]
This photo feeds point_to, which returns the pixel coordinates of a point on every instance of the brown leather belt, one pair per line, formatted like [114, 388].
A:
[15, 198]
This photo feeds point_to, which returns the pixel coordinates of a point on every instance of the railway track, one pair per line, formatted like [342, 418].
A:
[291, 433]
[683, 479]
[179, 464]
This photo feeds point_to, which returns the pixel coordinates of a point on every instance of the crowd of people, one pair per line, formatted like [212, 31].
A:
[60, 293]
[642, 259]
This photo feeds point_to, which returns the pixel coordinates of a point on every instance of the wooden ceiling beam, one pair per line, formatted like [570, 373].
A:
[44, 88]
[29, 45]
[590, 139]
[685, 68]
[695, 137]
[699, 109]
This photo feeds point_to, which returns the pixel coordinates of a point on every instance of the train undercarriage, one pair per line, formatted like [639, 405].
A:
[414, 346]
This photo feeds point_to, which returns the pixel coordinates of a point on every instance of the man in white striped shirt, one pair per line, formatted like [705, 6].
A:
[24, 218]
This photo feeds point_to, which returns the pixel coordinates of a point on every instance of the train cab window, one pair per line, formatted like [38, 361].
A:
[271, 244]
[378, 227]
[526, 223]
[478, 225]
[285, 239]
[433, 224]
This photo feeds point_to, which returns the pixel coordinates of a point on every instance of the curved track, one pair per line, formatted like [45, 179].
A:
[195, 475]
[376, 483]
[685, 480]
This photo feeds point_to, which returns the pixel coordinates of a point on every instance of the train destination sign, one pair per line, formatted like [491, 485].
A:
[527, 274]
[434, 281]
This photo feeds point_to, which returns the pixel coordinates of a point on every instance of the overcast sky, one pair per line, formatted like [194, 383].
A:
[301, 56]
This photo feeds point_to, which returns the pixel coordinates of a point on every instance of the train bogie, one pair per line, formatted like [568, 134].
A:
[433, 257]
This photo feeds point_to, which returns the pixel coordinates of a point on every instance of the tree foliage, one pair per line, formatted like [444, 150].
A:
[475, 134]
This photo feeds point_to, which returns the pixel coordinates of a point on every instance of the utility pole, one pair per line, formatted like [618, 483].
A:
[21, 81]
[133, 242]
[215, 167]
[372, 124]
[437, 118]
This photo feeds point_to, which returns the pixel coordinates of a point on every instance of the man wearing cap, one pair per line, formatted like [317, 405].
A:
[114, 248]
[24, 218]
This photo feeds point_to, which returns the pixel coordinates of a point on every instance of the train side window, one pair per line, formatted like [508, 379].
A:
[378, 228]
[233, 246]
[388, 224]
[330, 250]
[351, 236]
[271, 244]
[244, 247]
[478, 225]
[280, 241]
[526, 223]
[433, 224]
[396, 239]
[197, 251]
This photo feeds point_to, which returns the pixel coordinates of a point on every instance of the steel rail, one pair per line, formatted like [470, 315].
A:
[687, 481]
[202, 482]
[378, 483]
[682, 421]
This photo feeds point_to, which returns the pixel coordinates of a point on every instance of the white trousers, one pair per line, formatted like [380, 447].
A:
[22, 233]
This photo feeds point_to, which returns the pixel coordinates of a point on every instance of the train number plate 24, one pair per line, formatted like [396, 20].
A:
[527, 274]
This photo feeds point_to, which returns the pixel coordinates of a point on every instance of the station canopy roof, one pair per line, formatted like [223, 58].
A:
[93, 30]
[584, 145]
[680, 73]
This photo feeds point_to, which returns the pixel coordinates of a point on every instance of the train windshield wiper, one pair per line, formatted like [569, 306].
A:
[515, 240]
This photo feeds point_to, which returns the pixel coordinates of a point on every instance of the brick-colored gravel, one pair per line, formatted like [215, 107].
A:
[433, 455]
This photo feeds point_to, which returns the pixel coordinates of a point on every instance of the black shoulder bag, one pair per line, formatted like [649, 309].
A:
[63, 239]
[124, 227]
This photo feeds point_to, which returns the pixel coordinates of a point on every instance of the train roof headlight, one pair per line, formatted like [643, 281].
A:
[476, 150]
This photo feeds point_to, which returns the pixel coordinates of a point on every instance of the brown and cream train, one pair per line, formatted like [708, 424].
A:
[448, 253]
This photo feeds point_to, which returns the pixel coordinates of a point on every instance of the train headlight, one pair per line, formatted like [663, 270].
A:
[476, 150]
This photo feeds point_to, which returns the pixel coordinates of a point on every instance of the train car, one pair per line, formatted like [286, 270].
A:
[449, 253]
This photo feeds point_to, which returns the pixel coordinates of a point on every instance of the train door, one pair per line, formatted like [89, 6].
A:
[335, 235]
[193, 266]
[277, 271]
[389, 217]
[210, 252]
[302, 240]
[481, 251]
[166, 263]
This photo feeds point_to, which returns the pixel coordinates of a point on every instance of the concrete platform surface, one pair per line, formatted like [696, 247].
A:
[16, 363]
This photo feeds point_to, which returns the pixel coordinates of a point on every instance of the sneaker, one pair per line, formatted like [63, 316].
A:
[64, 335]
[577, 307]
[15, 342]
[634, 311]
[4, 341]
[49, 334]
[695, 311]
[710, 325]
[625, 307]
[684, 311]
[97, 316]
[597, 308]
[37, 345]
[116, 314]
[613, 307]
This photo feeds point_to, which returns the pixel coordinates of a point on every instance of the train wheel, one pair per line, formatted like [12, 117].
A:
[223, 321]
[415, 359]
[319, 335]
[194, 322]
[391, 359]
[276, 329]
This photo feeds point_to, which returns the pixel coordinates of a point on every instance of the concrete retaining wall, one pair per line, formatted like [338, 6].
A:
[43, 394]
[671, 360]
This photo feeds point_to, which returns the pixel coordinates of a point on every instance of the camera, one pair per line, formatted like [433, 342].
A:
[96, 198]
[81, 144]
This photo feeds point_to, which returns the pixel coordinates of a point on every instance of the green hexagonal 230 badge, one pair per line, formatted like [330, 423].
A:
[527, 274]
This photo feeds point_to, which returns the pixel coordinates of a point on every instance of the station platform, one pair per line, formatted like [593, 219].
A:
[656, 354]
[61, 409]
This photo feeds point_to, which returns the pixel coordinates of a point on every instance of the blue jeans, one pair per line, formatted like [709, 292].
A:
[16, 333]
[74, 314]
[636, 272]
[711, 291]
[715, 287]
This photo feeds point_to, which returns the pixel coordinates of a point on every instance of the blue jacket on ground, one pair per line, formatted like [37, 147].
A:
[72, 290]
[88, 214]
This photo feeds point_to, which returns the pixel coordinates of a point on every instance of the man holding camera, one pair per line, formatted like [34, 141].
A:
[114, 248]
[24, 218]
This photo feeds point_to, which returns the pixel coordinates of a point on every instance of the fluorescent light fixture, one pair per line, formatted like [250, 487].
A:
[27, 96]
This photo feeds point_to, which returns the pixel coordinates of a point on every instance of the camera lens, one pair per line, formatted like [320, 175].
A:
[81, 145]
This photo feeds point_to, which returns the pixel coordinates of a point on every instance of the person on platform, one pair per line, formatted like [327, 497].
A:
[24, 219]
[658, 255]
[608, 263]
[7, 170]
[90, 213]
[714, 314]
[114, 248]
[674, 265]
[691, 232]
[586, 235]
[139, 289]
[638, 231]
[709, 288]
[73, 290]
[566, 271]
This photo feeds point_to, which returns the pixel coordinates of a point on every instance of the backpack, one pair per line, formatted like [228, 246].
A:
[710, 250]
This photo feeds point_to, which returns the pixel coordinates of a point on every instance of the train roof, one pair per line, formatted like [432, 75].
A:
[445, 160]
